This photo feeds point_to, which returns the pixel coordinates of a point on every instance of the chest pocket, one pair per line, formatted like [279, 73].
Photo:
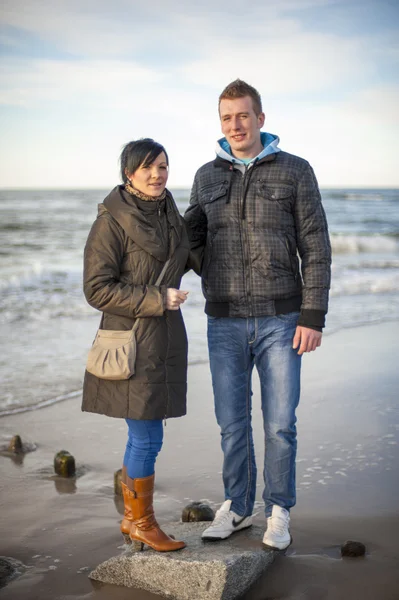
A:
[275, 193]
[280, 197]
[216, 192]
[214, 205]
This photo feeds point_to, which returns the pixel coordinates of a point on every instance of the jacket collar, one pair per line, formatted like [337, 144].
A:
[269, 142]
[229, 164]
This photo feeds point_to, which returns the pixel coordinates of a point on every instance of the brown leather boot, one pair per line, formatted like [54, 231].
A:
[144, 528]
[128, 516]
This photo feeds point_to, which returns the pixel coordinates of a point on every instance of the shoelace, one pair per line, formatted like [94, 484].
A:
[277, 525]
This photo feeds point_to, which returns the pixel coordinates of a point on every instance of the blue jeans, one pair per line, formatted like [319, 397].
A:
[235, 346]
[143, 445]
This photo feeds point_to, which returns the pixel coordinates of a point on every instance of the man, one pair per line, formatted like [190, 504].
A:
[252, 211]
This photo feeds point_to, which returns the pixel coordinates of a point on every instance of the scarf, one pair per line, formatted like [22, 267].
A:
[131, 190]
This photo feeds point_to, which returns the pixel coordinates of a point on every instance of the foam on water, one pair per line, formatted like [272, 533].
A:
[348, 244]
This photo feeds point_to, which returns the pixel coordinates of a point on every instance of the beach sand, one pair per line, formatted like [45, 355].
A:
[347, 481]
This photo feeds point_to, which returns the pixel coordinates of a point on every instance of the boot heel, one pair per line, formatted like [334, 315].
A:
[126, 538]
[137, 546]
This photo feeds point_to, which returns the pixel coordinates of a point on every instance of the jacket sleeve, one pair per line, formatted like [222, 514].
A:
[197, 227]
[314, 249]
[102, 286]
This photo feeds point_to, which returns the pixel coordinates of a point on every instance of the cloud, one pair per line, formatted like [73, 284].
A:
[289, 61]
[349, 142]
[120, 29]
[32, 83]
[131, 69]
[124, 27]
[299, 62]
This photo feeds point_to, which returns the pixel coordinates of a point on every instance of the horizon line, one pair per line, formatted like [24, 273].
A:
[178, 188]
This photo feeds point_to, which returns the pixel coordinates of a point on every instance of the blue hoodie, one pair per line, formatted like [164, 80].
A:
[270, 146]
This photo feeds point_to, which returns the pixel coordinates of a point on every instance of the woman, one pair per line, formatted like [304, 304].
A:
[137, 229]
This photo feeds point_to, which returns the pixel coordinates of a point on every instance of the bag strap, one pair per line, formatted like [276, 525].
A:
[162, 273]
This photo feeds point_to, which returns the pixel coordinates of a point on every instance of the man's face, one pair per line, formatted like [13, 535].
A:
[241, 126]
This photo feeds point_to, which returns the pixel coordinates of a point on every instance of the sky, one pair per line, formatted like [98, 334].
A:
[80, 78]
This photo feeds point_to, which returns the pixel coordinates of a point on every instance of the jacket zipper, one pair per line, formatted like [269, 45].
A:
[245, 246]
[159, 219]
[166, 372]
[167, 323]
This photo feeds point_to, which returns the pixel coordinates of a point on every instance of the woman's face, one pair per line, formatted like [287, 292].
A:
[151, 180]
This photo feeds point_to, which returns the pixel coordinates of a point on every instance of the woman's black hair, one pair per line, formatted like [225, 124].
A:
[139, 153]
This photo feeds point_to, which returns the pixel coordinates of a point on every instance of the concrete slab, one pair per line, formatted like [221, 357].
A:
[202, 571]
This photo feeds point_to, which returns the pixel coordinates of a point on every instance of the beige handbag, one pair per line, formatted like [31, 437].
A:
[113, 353]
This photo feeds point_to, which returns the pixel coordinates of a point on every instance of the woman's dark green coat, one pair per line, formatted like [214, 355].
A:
[127, 247]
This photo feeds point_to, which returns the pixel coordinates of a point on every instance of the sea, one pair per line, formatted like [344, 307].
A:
[47, 327]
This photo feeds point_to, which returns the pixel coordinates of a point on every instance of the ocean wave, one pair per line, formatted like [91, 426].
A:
[14, 410]
[374, 264]
[38, 275]
[365, 283]
[38, 294]
[359, 195]
[351, 244]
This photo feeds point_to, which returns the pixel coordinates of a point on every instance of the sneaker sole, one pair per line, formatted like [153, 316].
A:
[267, 547]
[219, 539]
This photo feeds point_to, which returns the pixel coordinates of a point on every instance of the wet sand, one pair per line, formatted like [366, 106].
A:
[347, 480]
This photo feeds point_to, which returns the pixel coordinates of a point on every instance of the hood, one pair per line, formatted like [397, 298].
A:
[270, 146]
[137, 226]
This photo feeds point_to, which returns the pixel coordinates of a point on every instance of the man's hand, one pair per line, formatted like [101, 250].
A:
[307, 339]
[174, 298]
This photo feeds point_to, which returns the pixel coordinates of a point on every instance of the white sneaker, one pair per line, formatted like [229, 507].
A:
[225, 523]
[277, 536]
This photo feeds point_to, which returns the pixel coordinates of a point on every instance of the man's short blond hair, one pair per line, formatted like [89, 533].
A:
[240, 89]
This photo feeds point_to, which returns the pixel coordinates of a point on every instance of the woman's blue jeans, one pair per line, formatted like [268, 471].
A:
[235, 346]
[143, 445]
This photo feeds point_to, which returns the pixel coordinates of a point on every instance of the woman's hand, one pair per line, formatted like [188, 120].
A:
[174, 298]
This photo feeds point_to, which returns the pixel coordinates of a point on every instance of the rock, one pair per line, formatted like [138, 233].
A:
[64, 464]
[197, 511]
[15, 445]
[117, 482]
[6, 571]
[16, 449]
[353, 549]
[9, 569]
[201, 571]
